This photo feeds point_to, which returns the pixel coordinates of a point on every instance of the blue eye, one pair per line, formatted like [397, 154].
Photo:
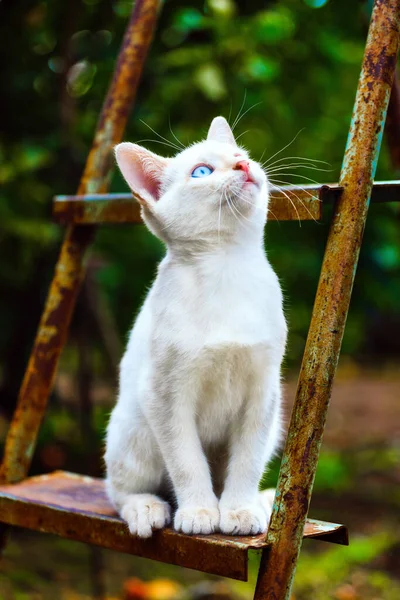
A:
[202, 171]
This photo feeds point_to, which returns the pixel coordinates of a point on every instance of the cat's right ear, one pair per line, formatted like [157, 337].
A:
[221, 132]
[143, 170]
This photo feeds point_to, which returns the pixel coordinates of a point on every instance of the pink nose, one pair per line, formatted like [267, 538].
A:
[242, 165]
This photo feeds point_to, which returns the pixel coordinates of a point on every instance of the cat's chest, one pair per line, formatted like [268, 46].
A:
[227, 377]
[235, 304]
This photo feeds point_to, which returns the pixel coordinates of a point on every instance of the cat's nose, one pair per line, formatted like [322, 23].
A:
[242, 165]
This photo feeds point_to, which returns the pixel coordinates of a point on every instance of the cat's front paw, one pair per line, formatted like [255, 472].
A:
[144, 512]
[244, 520]
[195, 520]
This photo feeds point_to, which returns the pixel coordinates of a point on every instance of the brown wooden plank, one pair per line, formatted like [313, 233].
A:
[76, 507]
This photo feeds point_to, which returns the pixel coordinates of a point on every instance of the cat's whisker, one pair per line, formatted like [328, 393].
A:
[219, 219]
[286, 166]
[273, 180]
[293, 160]
[296, 185]
[314, 160]
[241, 216]
[243, 133]
[302, 177]
[305, 206]
[238, 211]
[298, 199]
[229, 204]
[293, 189]
[170, 145]
[240, 110]
[243, 199]
[287, 145]
[230, 111]
[274, 215]
[245, 113]
[160, 136]
[238, 192]
[306, 164]
[221, 187]
[279, 168]
[231, 207]
[296, 196]
[291, 202]
[173, 134]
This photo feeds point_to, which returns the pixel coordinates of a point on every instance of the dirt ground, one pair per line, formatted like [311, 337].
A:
[364, 409]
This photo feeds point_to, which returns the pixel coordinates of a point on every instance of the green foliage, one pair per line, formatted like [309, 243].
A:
[333, 472]
[293, 68]
[318, 575]
[327, 571]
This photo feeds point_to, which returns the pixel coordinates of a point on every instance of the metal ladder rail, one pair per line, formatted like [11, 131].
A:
[300, 458]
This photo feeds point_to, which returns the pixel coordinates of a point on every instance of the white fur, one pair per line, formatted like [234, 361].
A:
[200, 394]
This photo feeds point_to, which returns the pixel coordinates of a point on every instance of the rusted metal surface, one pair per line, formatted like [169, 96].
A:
[326, 532]
[331, 306]
[100, 208]
[291, 203]
[76, 507]
[70, 268]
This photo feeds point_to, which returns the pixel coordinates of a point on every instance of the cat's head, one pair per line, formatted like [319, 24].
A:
[210, 192]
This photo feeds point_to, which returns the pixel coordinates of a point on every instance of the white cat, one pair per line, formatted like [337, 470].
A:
[199, 407]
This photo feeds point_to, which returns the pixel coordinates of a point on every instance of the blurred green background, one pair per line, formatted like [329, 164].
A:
[292, 66]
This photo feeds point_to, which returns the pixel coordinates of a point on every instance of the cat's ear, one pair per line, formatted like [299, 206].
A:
[143, 170]
[221, 132]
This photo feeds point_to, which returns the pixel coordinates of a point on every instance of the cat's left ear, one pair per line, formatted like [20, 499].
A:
[221, 132]
[143, 170]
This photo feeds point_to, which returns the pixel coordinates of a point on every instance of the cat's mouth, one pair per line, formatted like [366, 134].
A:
[249, 180]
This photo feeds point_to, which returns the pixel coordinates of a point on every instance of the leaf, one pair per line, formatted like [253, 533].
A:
[261, 68]
[274, 25]
[80, 78]
[210, 80]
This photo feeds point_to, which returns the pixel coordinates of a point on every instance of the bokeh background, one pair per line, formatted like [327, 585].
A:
[291, 67]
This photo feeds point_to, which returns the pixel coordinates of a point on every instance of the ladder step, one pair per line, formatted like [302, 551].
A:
[292, 203]
[289, 203]
[76, 507]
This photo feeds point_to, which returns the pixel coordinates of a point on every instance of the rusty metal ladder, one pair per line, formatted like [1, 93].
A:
[76, 507]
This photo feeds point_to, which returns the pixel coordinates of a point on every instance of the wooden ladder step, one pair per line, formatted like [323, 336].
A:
[289, 203]
[76, 507]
